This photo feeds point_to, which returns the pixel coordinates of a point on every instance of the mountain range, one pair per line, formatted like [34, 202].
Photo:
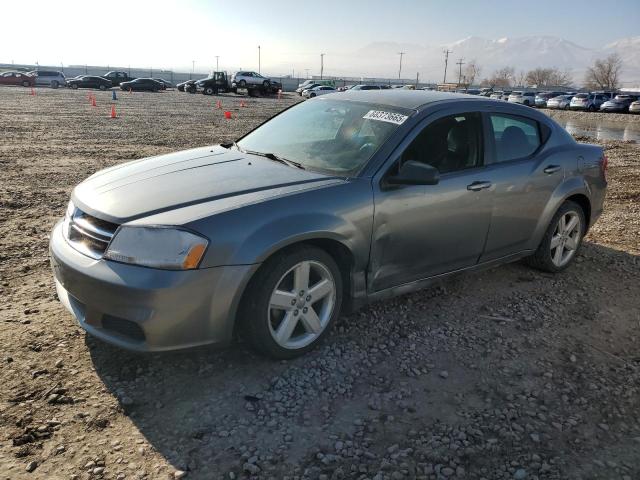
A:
[522, 53]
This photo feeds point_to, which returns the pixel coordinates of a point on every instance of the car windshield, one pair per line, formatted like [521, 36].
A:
[331, 136]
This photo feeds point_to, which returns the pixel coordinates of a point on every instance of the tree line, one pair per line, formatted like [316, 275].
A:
[604, 74]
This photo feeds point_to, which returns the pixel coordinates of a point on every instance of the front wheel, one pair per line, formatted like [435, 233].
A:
[312, 95]
[561, 240]
[54, 84]
[208, 91]
[102, 87]
[25, 84]
[592, 108]
[292, 302]
[242, 84]
[74, 86]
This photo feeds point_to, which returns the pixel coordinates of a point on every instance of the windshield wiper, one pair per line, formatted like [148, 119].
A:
[273, 156]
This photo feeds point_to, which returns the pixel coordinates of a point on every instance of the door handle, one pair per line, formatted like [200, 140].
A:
[477, 186]
[552, 169]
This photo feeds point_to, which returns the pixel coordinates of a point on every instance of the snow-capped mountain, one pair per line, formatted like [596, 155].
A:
[522, 53]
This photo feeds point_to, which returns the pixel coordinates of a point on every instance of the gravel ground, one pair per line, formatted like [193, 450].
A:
[505, 374]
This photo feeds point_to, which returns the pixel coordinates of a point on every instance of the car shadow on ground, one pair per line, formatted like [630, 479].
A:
[209, 410]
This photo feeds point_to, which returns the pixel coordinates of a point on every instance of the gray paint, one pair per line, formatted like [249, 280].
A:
[250, 207]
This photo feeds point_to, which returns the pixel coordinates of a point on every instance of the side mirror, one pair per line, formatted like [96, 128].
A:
[415, 173]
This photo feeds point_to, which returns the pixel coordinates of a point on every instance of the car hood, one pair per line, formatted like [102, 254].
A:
[158, 184]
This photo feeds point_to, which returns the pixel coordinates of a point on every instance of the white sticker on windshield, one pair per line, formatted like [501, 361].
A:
[386, 116]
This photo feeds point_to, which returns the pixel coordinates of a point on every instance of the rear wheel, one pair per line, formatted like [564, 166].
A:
[242, 84]
[103, 88]
[74, 86]
[592, 108]
[54, 84]
[566, 107]
[266, 84]
[562, 239]
[25, 84]
[312, 95]
[292, 302]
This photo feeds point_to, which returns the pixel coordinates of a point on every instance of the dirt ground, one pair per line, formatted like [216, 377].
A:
[506, 374]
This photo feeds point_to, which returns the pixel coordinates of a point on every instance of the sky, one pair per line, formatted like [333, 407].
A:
[187, 34]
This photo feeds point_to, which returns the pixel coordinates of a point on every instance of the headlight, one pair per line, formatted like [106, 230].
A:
[157, 247]
[67, 218]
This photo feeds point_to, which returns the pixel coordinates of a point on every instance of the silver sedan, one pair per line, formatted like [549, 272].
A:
[336, 202]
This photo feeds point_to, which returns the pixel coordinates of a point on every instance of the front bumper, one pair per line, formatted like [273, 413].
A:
[146, 309]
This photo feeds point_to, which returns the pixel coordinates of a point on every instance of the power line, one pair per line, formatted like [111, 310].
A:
[446, 62]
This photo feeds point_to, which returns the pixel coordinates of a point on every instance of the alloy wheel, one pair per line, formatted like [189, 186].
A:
[565, 239]
[301, 305]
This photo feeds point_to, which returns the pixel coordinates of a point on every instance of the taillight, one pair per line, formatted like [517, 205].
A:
[604, 164]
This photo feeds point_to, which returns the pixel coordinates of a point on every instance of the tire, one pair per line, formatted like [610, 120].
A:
[591, 108]
[242, 83]
[102, 87]
[74, 86]
[25, 84]
[545, 258]
[311, 95]
[54, 84]
[302, 322]
[566, 107]
[208, 91]
[266, 84]
[526, 103]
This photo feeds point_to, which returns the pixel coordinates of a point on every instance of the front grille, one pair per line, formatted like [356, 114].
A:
[88, 234]
[126, 328]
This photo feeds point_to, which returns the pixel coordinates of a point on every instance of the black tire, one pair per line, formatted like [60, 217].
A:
[25, 84]
[526, 103]
[208, 91]
[54, 84]
[102, 87]
[591, 108]
[253, 317]
[242, 84]
[311, 95]
[266, 84]
[74, 86]
[541, 259]
[181, 88]
[566, 107]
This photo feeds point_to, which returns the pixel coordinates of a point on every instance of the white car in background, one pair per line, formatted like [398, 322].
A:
[561, 102]
[319, 90]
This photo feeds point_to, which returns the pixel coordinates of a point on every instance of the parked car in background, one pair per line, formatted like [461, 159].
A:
[166, 83]
[17, 78]
[244, 78]
[48, 78]
[117, 78]
[634, 107]
[542, 97]
[300, 90]
[365, 87]
[505, 95]
[89, 81]
[473, 91]
[319, 90]
[142, 84]
[619, 104]
[525, 98]
[496, 95]
[153, 255]
[188, 86]
[588, 101]
[561, 102]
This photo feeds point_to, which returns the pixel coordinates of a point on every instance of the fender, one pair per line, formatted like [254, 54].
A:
[571, 186]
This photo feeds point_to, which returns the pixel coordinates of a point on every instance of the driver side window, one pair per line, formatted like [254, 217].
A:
[449, 144]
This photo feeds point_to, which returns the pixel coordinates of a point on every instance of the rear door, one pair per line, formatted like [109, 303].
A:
[523, 179]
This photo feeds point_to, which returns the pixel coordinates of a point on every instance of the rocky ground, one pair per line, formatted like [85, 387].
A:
[506, 374]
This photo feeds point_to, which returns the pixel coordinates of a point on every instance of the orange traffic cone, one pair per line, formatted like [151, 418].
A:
[227, 115]
[113, 112]
[93, 102]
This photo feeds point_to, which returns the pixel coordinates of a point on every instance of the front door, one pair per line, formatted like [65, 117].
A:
[421, 231]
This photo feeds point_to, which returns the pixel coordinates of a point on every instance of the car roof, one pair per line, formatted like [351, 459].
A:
[396, 97]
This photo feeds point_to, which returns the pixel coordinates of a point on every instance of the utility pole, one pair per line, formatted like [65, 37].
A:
[307, 70]
[400, 69]
[417, 79]
[460, 63]
[217, 58]
[446, 62]
[258, 58]
[321, 65]
[193, 68]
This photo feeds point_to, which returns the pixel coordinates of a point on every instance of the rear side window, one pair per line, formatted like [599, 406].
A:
[515, 137]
